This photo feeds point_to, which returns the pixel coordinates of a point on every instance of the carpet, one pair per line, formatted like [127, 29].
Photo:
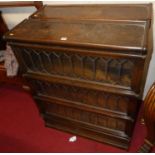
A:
[22, 129]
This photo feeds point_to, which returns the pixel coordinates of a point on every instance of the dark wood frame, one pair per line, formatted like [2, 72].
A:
[37, 4]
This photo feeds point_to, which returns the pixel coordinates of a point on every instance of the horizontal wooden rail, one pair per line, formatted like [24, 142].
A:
[37, 4]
